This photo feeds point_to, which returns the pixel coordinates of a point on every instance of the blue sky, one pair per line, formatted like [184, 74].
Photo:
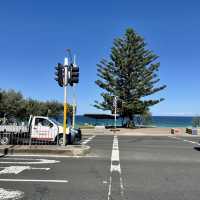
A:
[35, 34]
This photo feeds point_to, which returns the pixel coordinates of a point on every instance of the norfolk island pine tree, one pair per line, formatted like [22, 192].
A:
[131, 75]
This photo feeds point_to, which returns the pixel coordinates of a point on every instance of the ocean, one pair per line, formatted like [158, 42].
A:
[171, 121]
[157, 121]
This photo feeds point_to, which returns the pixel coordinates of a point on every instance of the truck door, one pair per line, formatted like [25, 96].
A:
[43, 129]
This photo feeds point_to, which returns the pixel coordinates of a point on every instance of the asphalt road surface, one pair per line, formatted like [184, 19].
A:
[118, 168]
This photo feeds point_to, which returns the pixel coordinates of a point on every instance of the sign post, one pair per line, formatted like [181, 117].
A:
[74, 98]
[115, 106]
[65, 102]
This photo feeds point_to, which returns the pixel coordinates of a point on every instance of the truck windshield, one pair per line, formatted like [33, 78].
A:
[56, 122]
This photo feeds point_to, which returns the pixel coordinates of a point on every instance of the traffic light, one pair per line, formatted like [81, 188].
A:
[60, 74]
[74, 75]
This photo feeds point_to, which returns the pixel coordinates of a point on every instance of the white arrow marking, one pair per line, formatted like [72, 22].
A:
[18, 169]
[10, 194]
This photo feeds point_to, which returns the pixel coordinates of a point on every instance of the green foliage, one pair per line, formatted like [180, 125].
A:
[13, 104]
[131, 75]
[196, 122]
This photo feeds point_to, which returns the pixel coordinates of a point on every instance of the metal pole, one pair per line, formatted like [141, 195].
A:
[115, 111]
[74, 99]
[74, 108]
[65, 103]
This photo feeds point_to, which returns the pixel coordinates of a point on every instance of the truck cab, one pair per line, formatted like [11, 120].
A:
[45, 128]
[48, 129]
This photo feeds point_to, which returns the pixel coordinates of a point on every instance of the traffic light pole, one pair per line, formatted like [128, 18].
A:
[74, 107]
[74, 99]
[67, 74]
[65, 103]
[115, 117]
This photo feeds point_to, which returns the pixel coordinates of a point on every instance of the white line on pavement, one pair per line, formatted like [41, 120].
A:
[33, 180]
[34, 161]
[88, 140]
[184, 140]
[109, 188]
[50, 156]
[115, 167]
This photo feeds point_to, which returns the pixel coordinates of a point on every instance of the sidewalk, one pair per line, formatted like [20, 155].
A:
[136, 132]
[69, 150]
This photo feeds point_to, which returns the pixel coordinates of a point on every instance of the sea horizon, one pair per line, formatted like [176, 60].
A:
[156, 121]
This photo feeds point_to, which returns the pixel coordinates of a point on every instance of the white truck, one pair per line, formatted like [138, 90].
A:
[39, 128]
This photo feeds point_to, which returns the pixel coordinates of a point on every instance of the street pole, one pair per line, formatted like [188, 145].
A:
[65, 102]
[74, 107]
[74, 99]
[115, 112]
[115, 105]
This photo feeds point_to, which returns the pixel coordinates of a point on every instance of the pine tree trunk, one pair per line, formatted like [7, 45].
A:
[122, 121]
[130, 122]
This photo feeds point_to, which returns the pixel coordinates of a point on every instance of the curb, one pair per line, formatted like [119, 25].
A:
[70, 150]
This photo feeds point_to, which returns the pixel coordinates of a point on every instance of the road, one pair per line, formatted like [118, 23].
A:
[118, 168]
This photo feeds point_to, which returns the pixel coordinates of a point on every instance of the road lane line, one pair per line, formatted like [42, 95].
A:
[29, 162]
[49, 156]
[88, 140]
[109, 188]
[115, 167]
[184, 140]
[33, 180]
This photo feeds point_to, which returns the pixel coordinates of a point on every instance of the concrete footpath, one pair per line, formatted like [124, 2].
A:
[135, 132]
[69, 150]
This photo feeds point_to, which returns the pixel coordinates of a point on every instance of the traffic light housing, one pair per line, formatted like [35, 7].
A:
[60, 74]
[74, 75]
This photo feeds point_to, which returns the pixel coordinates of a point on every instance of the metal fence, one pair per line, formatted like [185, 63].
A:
[36, 135]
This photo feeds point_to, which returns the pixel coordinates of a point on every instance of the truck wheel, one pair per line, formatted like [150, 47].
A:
[4, 140]
[60, 140]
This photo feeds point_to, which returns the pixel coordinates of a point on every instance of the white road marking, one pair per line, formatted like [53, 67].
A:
[33, 180]
[88, 140]
[10, 194]
[184, 140]
[109, 188]
[115, 167]
[191, 142]
[29, 162]
[18, 169]
[105, 182]
[50, 156]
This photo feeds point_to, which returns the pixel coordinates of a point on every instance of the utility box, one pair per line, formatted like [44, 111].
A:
[194, 131]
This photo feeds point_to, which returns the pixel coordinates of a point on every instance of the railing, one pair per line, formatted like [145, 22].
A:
[21, 135]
